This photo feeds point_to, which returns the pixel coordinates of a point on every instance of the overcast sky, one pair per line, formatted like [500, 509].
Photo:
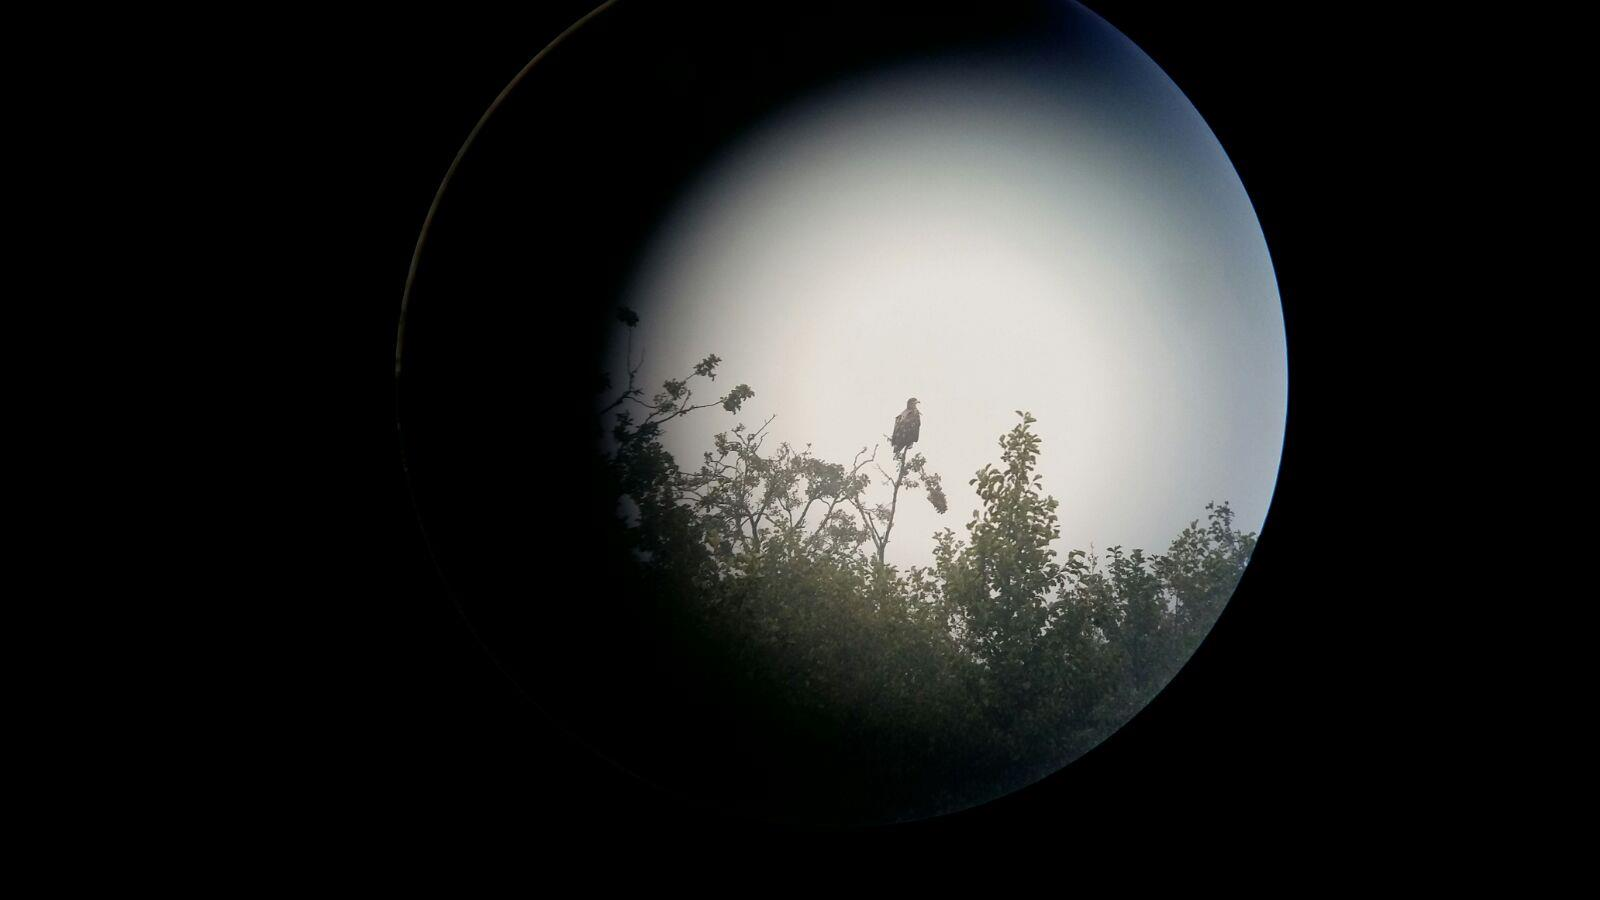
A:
[989, 234]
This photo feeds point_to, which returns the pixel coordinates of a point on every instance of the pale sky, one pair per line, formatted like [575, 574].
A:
[988, 234]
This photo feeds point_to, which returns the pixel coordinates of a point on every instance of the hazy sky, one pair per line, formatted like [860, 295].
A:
[989, 234]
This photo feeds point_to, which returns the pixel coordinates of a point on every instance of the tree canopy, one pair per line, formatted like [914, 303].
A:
[783, 643]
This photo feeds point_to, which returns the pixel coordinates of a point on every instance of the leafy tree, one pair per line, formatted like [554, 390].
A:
[901, 693]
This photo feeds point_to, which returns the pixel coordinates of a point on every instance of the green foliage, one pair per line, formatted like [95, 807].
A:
[942, 685]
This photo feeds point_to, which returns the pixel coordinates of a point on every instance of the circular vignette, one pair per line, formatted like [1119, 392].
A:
[778, 784]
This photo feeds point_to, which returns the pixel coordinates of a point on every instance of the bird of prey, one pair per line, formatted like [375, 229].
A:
[907, 426]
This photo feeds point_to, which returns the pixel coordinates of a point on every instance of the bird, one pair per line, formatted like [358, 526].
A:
[907, 426]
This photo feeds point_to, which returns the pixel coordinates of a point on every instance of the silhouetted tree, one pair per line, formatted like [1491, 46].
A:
[901, 693]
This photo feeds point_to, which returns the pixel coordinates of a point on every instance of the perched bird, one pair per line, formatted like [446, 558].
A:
[907, 426]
